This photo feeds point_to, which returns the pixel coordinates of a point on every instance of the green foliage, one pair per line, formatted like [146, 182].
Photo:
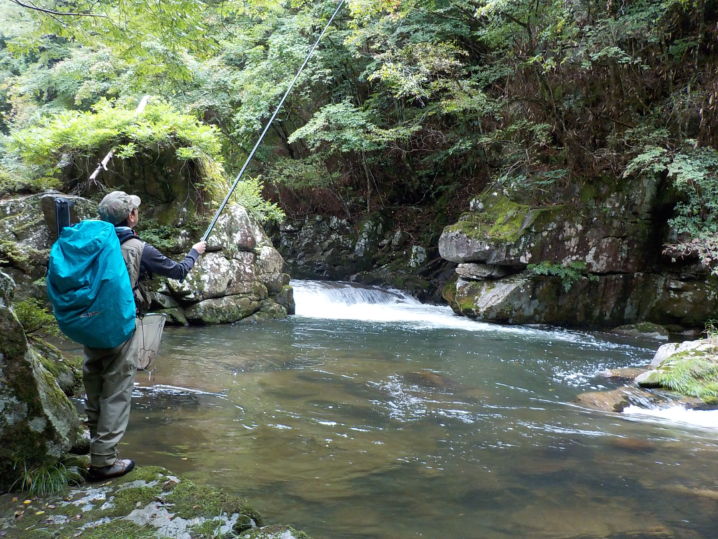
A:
[249, 195]
[692, 374]
[346, 128]
[403, 102]
[694, 172]
[303, 173]
[108, 125]
[162, 237]
[35, 317]
[569, 274]
[68, 135]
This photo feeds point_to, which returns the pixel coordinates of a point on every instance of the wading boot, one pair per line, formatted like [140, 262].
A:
[120, 467]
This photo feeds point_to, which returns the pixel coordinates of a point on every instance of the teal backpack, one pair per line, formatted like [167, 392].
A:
[89, 287]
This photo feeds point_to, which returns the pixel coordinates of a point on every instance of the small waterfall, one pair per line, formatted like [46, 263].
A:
[348, 301]
[339, 300]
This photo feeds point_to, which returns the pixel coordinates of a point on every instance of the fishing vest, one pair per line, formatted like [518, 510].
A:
[132, 253]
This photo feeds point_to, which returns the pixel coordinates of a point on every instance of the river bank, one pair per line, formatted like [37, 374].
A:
[148, 502]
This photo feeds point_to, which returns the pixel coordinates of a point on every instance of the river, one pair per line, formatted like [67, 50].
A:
[368, 414]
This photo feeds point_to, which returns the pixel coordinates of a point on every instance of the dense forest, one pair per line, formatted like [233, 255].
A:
[413, 104]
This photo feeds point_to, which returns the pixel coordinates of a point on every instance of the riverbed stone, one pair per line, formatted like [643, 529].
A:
[616, 400]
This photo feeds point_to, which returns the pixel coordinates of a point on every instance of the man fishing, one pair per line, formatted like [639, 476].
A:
[108, 373]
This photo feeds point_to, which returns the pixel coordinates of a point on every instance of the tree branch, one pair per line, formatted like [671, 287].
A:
[52, 11]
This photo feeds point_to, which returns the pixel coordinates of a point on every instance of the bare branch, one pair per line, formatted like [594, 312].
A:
[52, 11]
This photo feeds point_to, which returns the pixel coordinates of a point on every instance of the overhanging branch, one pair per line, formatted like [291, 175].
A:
[52, 11]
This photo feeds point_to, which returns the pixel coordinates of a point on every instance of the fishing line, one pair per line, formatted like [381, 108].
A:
[268, 125]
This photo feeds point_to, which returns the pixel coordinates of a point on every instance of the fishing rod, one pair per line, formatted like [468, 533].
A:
[268, 125]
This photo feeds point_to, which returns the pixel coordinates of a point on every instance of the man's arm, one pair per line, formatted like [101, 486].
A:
[155, 262]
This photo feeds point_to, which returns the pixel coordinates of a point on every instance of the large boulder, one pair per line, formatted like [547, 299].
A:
[38, 423]
[596, 263]
[240, 276]
[501, 232]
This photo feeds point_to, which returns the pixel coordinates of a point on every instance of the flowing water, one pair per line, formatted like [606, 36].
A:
[369, 414]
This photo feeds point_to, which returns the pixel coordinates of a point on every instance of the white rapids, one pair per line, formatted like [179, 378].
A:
[339, 300]
[679, 415]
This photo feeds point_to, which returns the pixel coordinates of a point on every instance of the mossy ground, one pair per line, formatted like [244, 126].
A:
[105, 509]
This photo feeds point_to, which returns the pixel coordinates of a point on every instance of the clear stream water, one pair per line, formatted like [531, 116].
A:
[369, 414]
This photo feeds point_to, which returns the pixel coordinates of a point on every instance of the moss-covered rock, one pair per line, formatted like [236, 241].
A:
[504, 233]
[147, 502]
[38, 422]
[609, 228]
[690, 370]
[643, 329]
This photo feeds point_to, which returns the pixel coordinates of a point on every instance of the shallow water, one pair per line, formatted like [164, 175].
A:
[371, 415]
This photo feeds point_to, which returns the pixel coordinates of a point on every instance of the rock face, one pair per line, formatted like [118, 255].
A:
[595, 264]
[370, 252]
[37, 421]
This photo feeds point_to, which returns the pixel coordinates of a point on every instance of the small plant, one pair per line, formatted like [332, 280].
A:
[711, 331]
[49, 477]
[569, 274]
[35, 318]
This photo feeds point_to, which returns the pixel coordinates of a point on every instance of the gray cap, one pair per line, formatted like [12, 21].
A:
[116, 206]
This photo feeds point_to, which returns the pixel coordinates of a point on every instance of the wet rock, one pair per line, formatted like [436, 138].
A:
[319, 247]
[614, 401]
[222, 310]
[623, 281]
[627, 374]
[175, 316]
